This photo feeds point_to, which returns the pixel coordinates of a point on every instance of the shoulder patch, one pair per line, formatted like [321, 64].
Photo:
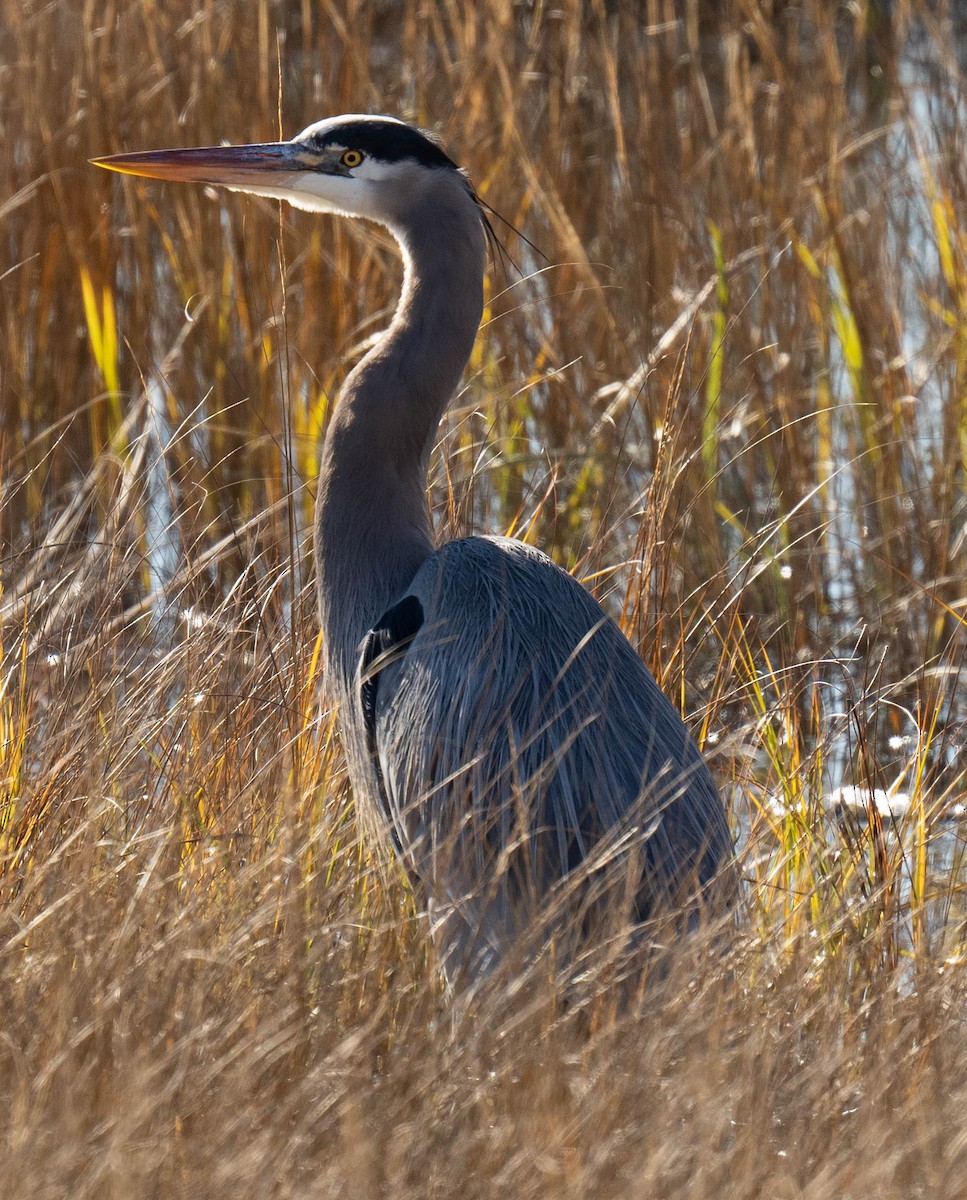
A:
[386, 642]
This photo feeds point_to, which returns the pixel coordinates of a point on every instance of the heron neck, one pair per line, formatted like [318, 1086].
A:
[373, 528]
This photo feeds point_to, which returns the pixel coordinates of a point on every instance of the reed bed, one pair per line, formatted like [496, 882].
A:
[721, 378]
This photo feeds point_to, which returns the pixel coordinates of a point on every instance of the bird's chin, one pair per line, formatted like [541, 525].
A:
[321, 192]
[309, 202]
[298, 198]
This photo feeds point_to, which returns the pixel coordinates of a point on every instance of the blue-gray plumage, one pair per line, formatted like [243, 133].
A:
[500, 688]
[498, 725]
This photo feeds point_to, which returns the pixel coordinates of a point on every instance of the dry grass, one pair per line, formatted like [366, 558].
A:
[732, 399]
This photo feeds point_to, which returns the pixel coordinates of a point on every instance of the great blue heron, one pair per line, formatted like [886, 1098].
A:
[497, 722]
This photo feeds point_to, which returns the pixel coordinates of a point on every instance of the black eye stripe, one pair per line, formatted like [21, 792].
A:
[385, 140]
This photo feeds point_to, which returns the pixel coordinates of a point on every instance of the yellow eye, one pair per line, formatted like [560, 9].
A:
[351, 158]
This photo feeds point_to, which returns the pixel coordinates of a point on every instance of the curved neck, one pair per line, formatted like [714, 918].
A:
[372, 522]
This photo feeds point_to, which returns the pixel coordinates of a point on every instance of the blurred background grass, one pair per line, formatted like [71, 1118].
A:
[726, 388]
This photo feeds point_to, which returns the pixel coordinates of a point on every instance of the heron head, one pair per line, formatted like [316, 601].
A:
[359, 166]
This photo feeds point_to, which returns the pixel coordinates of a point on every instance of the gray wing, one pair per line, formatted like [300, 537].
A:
[520, 742]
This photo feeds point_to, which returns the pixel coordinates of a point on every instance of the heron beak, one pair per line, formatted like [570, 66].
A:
[230, 166]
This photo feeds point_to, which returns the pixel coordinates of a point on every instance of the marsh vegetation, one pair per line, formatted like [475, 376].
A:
[726, 389]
